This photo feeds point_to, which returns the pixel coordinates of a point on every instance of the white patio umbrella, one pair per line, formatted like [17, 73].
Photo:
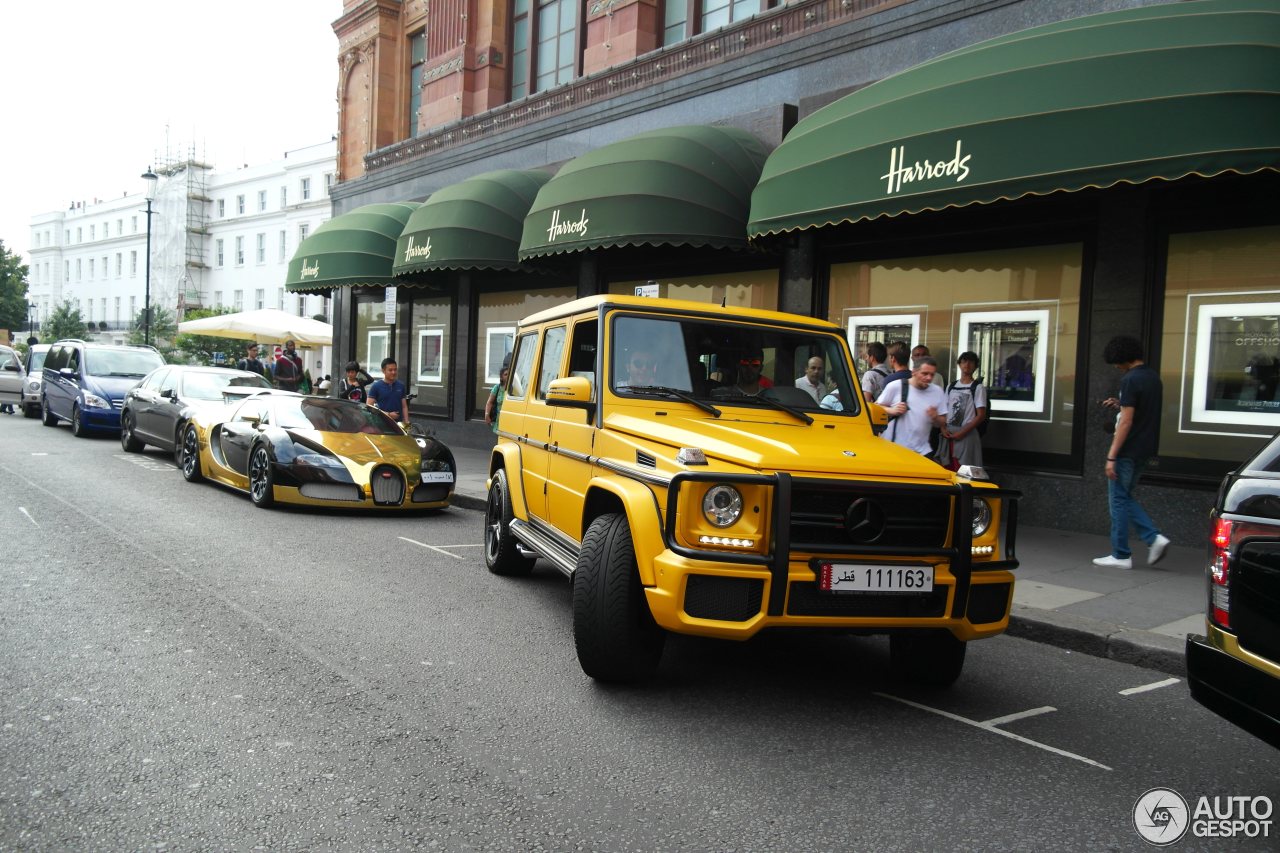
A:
[268, 324]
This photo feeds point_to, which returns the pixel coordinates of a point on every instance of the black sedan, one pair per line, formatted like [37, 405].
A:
[1234, 669]
[158, 408]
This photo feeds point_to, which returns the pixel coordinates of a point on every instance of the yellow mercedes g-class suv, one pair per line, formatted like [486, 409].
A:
[665, 457]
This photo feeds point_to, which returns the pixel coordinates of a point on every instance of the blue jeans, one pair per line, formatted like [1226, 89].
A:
[1125, 510]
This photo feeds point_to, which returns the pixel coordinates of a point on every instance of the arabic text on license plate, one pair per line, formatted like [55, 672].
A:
[854, 577]
[437, 476]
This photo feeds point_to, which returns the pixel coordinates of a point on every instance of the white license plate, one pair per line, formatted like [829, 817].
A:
[437, 476]
[860, 577]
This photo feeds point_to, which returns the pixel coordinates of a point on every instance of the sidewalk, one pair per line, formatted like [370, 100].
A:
[1140, 616]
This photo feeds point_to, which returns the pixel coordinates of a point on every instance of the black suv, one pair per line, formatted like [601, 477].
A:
[1234, 670]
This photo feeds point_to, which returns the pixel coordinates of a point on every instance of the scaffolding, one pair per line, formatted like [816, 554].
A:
[180, 231]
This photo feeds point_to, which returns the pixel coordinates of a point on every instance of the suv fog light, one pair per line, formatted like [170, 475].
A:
[981, 516]
[732, 542]
[722, 505]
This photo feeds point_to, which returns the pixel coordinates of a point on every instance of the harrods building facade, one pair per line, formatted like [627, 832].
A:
[1022, 178]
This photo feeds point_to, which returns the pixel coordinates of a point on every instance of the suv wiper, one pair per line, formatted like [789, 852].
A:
[676, 392]
[774, 404]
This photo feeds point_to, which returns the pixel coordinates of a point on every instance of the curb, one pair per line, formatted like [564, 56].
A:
[468, 502]
[1100, 639]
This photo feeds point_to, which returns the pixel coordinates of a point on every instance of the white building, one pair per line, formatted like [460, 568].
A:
[218, 238]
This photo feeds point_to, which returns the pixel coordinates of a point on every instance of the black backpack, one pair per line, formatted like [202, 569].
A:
[982, 427]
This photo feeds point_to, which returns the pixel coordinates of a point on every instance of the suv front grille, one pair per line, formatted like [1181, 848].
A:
[820, 516]
[387, 484]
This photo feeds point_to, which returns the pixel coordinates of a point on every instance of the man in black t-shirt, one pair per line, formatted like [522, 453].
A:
[251, 362]
[1136, 440]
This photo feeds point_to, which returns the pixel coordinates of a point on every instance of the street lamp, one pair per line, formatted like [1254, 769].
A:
[151, 181]
[31, 324]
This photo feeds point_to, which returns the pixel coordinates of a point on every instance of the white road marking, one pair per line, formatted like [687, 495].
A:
[39, 454]
[1155, 685]
[432, 547]
[1021, 715]
[23, 510]
[986, 727]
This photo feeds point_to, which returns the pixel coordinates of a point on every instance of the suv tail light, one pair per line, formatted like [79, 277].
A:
[1220, 574]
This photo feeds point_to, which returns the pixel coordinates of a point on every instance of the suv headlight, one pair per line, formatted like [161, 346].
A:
[33, 385]
[722, 505]
[981, 516]
[93, 401]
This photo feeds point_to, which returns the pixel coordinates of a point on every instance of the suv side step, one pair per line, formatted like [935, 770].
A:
[545, 546]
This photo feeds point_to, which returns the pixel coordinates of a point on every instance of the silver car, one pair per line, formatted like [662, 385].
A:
[34, 368]
[11, 376]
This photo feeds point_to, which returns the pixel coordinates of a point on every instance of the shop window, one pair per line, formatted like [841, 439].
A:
[749, 289]
[373, 333]
[497, 315]
[1219, 355]
[1018, 309]
[430, 349]
[707, 15]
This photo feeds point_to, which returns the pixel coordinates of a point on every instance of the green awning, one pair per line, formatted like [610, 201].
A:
[1160, 92]
[352, 249]
[680, 186]
[473, 224]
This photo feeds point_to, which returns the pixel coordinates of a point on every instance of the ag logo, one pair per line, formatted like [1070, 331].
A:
[1161, 816]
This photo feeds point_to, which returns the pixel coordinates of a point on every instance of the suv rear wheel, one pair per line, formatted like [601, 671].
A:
[501, 553]
[616, 637]
[931, 657]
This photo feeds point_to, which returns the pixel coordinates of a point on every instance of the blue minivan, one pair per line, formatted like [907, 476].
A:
[85, 383]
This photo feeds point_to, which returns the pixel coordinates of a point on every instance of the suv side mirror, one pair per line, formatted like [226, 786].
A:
[879, 417]
[68, 373]
[572, 391]
[13, 368]
[168, 393]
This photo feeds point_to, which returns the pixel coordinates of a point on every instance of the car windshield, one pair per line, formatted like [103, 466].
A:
[726, 363]
[329, 415]
[37, 360]
[209, 384]
[120, 362]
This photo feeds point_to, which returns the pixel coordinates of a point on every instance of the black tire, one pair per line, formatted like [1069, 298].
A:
[261, 478]
[128, 440]
[189, 456]
[934, 658]
[77, 425]
[177, 443]
[613, 630]
[501, 555]
[47, 417]
[31, 410]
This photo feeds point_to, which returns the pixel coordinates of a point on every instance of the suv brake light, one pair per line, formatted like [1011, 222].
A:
[1219, 573]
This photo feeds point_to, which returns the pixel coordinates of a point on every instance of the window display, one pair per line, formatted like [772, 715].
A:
[1013, 349]
[884, 328]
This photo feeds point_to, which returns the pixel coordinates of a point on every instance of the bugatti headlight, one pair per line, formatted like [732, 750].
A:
[722, 505]
[981, 516]
[317, 460]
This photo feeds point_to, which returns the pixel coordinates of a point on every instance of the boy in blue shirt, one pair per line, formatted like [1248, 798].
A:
[388, 393]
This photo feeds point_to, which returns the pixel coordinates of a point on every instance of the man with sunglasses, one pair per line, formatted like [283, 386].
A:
[750, 381]
[642, 369]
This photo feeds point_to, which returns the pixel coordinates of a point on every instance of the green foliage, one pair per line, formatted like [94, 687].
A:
[164, 328]
[64, 322]
[13, 291]
[199, 349]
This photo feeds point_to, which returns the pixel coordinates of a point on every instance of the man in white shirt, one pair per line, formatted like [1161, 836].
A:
[812, 383]
[912, 420]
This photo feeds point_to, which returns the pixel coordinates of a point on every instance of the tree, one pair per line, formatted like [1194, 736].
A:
[13, 291]
[163, 329]
[64, 322]
[199, 349]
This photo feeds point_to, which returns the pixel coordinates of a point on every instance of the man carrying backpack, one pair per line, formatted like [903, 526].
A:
[966, 412]
[874, 378]
[914, 407]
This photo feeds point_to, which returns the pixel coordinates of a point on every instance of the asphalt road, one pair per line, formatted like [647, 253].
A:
[182, 671]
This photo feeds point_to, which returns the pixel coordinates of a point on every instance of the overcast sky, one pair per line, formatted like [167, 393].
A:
[91, 92]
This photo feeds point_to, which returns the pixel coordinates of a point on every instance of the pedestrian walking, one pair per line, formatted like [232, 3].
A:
[874, 378]
[1135, 441]
[251, 362]
[288, 368]
[914, 405]
[351, 386]
[498, 393]
[961, 442]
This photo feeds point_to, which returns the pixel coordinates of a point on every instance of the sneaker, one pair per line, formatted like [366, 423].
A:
[1110, 562]
[1156, 552]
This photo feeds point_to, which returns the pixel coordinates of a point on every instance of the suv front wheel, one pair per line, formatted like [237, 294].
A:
[932, 657]
[501, 554]
[613, 630]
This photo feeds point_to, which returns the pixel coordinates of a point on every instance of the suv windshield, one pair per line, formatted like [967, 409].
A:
[37, 360]
[732, 363]
[120, 362]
